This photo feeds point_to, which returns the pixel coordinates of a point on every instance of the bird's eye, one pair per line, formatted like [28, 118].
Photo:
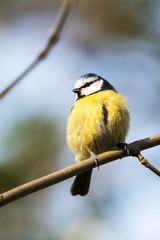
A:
[86, 84]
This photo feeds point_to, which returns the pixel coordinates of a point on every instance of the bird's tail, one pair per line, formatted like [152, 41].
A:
[81, 183]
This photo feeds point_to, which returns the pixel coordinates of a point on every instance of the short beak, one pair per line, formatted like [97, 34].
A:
[76, 90]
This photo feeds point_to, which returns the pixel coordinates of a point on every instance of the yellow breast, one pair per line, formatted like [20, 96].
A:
[97, 122]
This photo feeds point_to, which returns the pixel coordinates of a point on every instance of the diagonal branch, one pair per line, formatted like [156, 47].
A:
[145, 162]
[54, 37]
[75, 169]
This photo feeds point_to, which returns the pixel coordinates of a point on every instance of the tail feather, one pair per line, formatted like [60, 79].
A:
[81, 183]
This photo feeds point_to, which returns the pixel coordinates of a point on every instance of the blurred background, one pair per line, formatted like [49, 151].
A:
[119, 40]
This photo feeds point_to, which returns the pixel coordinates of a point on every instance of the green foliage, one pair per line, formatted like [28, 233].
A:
[32, 147]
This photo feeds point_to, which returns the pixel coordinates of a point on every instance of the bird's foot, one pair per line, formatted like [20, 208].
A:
[125, 147]
[95, 158]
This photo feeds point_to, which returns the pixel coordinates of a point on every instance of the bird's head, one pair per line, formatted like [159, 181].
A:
[89, 84]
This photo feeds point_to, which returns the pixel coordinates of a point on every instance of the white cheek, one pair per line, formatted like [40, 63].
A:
[95, 87]
[86, 91]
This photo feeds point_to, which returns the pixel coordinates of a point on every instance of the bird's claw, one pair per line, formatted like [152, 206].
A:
[125, 147]
[95, 158]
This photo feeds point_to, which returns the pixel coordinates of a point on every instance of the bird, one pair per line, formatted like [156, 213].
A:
[98, 122]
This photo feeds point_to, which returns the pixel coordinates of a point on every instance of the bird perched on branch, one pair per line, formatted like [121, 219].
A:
[98, 122]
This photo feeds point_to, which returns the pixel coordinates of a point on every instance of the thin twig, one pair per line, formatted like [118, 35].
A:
[54, 37]
[147, 164]
[75, 169]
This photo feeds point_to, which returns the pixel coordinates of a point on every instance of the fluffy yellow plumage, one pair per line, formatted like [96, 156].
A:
[98, 121]
[88, 129]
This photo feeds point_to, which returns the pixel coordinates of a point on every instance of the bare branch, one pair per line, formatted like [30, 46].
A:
[54, 37]
[147, 164]
[75, 169]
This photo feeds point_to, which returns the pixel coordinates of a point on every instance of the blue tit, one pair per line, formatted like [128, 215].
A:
[98, 121]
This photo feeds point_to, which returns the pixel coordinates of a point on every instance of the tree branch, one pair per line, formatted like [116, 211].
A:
[147, 164]
[54, 37]
[75, 169]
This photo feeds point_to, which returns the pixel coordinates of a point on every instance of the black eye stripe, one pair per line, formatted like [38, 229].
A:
[89, 83]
